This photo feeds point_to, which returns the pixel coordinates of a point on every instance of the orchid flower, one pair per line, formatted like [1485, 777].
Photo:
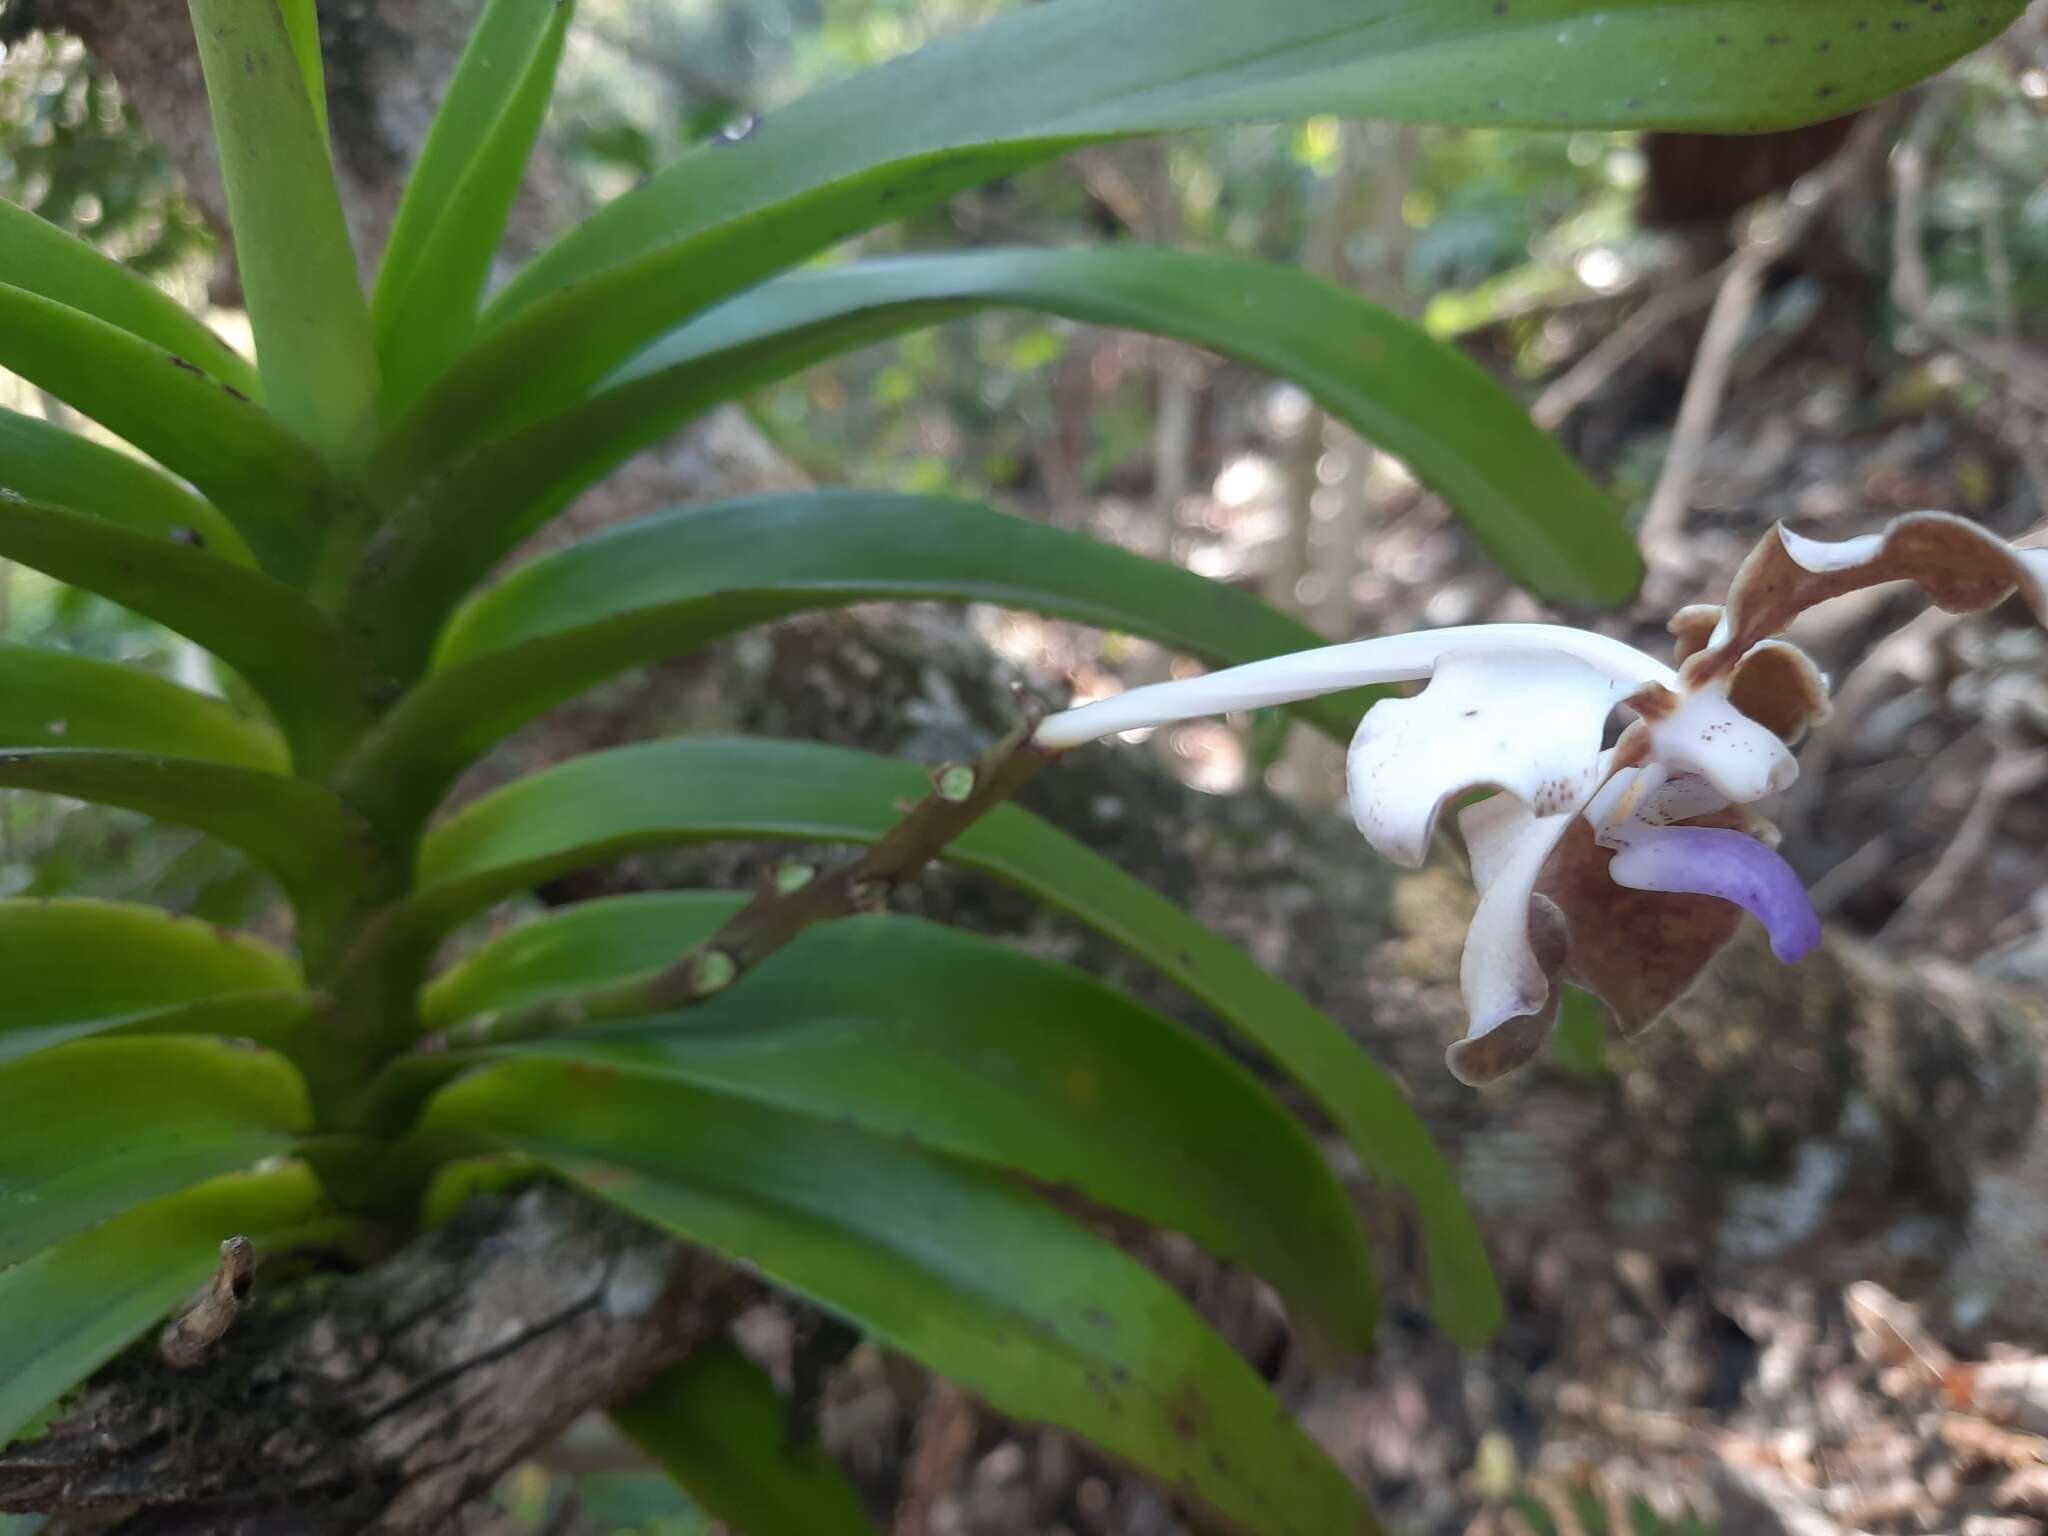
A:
[1622, 869]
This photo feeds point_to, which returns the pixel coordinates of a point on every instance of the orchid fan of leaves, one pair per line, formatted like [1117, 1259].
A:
[322, 521]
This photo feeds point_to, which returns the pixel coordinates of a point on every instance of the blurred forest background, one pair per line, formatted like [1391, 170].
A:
[1828, 327]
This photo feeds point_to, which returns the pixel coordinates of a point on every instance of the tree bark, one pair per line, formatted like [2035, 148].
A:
[386, 63]
[383, 1402]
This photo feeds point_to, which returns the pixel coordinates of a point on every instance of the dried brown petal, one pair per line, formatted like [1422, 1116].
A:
[1778, 686]
[1961, 567]
[1513, 1044]
[1638, 951]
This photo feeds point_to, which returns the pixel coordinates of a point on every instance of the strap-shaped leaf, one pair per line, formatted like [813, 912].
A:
[703, 788]
[584, 945]
[950, 1263]
[462, 189]
[664, 585]
[46, 463]
[302, 26]
[1548, 525]
[306, 668]
[721, 1430]
[954, 1042]
[301, 832]
[1045, 79]
[67, 1311]
[176, 975]
[35, 254]
[267, 481]
[54, 699]
[98, 1127]
[292, 245]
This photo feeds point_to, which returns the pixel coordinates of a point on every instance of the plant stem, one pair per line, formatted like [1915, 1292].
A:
[961, 796]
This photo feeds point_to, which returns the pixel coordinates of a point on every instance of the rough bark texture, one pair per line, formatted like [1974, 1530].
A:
[387, 1401]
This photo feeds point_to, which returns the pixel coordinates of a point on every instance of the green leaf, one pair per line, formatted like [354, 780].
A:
[462, 189]
[53, 699]
[302, 25]
[719, 1428]
[297, 829]
[177, 975]
[38, 256]
[72, 1308]
[304, 666]
[950, 1263]
[953, 1042]
[1548, 525]
[1044, 80]
[46, 463]
[665, 585]
[97, 1127]
[696, 789]
[268, 482]
[584, 945]
[292, 244]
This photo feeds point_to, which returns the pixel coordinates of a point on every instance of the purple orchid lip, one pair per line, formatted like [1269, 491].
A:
[1730, 865]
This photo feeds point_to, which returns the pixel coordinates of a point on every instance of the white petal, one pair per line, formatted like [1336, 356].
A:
[1708, 736]
[1650, 796]
[1680, 798]
[1500, 974]
[1330, 668]
[1528, 722]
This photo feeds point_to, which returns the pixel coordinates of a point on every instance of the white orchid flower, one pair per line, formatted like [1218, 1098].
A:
[1622, 869]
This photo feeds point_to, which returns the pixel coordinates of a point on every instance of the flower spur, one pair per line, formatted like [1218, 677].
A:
[1622, 869]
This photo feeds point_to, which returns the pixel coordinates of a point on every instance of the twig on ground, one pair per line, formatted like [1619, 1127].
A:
[1584, 378]
[2022, 374]
[945, 1439]
[1770, 234]
[2012, 774]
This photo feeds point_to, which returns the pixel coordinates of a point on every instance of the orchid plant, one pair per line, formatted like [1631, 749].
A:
[866, 1112]
[1622, 868]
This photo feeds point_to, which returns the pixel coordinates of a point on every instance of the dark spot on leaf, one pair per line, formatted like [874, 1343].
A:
[191, 537]
[1823, 46]
[1826, 91]
[1095, 1317]
[235, 394]
[1775, 39]
[1900, 26]
[1500, 7]
[189, 367]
